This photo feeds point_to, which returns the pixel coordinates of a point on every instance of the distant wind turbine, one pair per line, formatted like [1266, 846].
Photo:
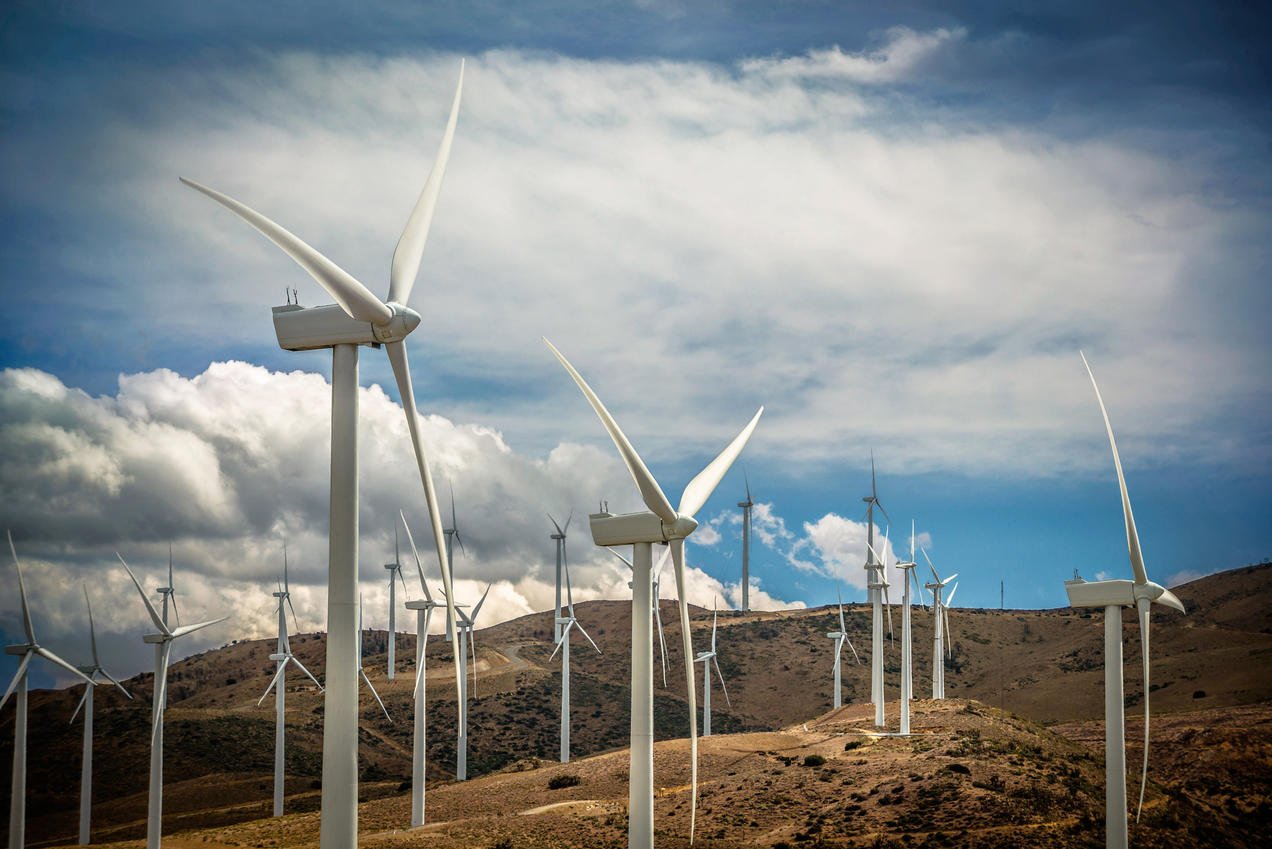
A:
[86, 703]
[394, 569]
[559, 539]
[708, 659]
[1140, 593]
[907, 568]
[467, 625]
[840, 637]
[31, 648]
[163, 655]
[876, 584]
[938, 627]
[566, 624]
[746, 547]
[662, 524]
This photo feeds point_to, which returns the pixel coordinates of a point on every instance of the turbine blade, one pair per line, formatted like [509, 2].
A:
[188, 629]
[701, 487]
[477, 610]
[843, 629]
[150, 608]
[652, 494]
[584, 632]
[555, 525]
[410, 247]
[17, 676]
[354, 298]
[112, 680]
[296, 661]
[686, 639]
[662, 642]
[419, 566]
[1169, 599]
[561, 640]
[292, 608]
[54, 659]
[1132, 535]
[855, 656]
[402, 373]
[173, 598]
[282, 668]
[26, 612]
[620, 557]
[568, 519]
[472, 651]
[378, 700]
[92, 631]
[1142, 606]
[83, 699]
[950, 598]
[161, 696]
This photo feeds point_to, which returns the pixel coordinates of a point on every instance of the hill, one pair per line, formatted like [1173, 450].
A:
[1045, 666]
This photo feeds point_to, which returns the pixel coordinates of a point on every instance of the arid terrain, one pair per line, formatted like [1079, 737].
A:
[1014, 756]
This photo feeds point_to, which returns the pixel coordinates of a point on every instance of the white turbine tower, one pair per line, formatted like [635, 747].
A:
[283, 657]
[467, 625]
[423, 614]
[394, 568]
[163, 655]
[709, 659]
[907, 638]
[938, 628]
[559, 538]
[357, 318]
[566, 623]
[31, 648]
[657, 610]
[876, 584]
[362, 672]
[746, 547]
[840, 637]
[86, 703]
[662, 524]
[1112, 596]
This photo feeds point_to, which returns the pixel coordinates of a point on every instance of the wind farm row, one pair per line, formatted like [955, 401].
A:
[359, 318]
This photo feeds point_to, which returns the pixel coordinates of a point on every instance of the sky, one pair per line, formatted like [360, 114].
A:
[894, 226]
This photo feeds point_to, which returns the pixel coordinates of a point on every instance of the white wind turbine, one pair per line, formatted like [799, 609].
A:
[907, 568]
[467, 625]
[362, 672]
[452, 537]
[559, 539]
[86, 703]
[840, 637]
[746, 546]
[565, 624]
[283, 657]
[168, 594]
[709, 659]
[163, 655]
[1112, 596]
[938, 627]
[657, 609]
[423, 614]
[877, 586]
[358, 318]
[662, 524]
[394, 568]
[31, 648]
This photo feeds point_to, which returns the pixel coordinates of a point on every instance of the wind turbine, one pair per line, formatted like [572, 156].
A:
[283, 656]
[1113, 596]
[423, 614]
[840, 637]
[565, 623]
[657, 610]
[163, 654]
[662, 524]
[467, 624]
[876, 583]
[86, 702]
[907, 640]
[452, 537]
[746, 548]
[169, 593]
[938, 627]
[357, 318]
[31, 648]
[559, 538]
[709, 659]
[362, 672]
[394, 568]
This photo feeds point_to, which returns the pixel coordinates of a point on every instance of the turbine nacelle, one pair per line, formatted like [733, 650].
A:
[310, 328]
[1118, 592]
[629, 528]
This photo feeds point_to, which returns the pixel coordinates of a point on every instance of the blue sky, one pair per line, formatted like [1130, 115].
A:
[894, 227]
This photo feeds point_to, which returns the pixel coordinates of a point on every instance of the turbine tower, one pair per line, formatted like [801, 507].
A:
[357, 318]
[565, 623]
[362, 672]
[86, 703]
[840, 637]
[938, 627]
[656, 612]
[907, 638]
[31, 648]
[709, 659]
[559, 538]
[163, 655]
[467, 624]
[662, 524]
[1113, 595]
[394, 568]
[423, 614]
[283, 656]
[746, 548]
[876, 583]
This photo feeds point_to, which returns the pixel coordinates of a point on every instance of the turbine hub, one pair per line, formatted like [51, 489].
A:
[681, 528]
[398, 327]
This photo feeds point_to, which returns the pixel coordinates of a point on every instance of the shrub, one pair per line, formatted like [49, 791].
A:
[853, 744]
[558, 782]
[814, 760]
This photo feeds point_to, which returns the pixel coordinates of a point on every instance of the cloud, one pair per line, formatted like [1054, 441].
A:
[902, 53]
[835, 547]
